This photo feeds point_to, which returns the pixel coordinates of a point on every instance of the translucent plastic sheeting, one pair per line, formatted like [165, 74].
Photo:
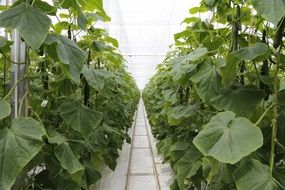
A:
[145, 29]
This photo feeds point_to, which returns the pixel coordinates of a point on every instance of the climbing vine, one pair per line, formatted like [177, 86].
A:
[80, 99]
[216, 104]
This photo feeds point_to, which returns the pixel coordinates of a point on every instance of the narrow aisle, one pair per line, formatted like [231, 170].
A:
[142, 171]
[139, 166]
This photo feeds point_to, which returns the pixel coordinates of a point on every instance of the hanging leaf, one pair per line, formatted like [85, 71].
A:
[195, 55]
[228, 70]
[178, 113]
[80, 117]
[70, 54]
[252, 52]
[82, 20]
[92, 175]
[96, 77]
[32, 23]
[5, 109]
[272, 10]
[221, 138]
[208, 81]
[253, 175]
[18, 144]
[257, 52]
[184, 111]
[67, 159]
[240, 99]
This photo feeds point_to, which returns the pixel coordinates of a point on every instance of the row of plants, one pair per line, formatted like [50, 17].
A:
[79, 100]
[216, 104]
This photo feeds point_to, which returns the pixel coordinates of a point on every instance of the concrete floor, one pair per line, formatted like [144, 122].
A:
[139, 167]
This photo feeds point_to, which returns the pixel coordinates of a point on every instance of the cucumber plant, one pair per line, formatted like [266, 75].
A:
[216, 103]
[80, 98]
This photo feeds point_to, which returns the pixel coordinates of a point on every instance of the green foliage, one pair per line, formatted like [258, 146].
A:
[254, 175]
[19, 144]
[32, 23]
[221, 138]
[80, 117]
[216, 104]
[272, 11]
[78, 90]
[240, 99]
[69, 53]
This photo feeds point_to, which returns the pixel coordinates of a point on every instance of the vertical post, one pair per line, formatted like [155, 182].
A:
[18, 69]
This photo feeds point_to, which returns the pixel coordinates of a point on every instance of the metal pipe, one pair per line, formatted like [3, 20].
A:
[18, 70]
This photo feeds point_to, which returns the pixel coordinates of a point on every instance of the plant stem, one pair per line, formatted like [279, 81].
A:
[22, 102]
[33, 2]
[264, 114]
[38, 117]
[279, 144]
[275, 117]
[13, 88]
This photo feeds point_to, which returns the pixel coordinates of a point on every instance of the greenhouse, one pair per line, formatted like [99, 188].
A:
[142, 95]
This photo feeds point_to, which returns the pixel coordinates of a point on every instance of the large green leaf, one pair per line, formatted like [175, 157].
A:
[18, 145]
[253, 175]
[208, 81]
[67, 158]
[5, 109]
[188, 165]
[80, 117]
[272, 10]
[221, 138]
[240, 99]
[96, 77]
[69, 53]
[32, 23]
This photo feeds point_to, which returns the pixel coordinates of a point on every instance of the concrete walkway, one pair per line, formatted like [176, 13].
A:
[139, 166]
